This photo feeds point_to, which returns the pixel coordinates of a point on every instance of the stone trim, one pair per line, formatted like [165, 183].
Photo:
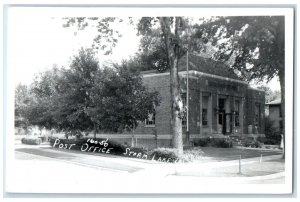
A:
[197, 73]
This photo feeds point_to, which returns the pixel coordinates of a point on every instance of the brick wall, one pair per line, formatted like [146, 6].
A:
[215, 88]
[160, 84]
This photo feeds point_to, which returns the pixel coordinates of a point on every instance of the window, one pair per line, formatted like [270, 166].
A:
[204, 117]
[237, 113]
[221, 111]
[183, 97]
[204, 110]
[257, 115]
[220, 119]
[150, 121]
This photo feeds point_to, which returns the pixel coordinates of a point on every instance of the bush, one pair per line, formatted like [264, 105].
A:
[164, 153]
[222, 143]
[214, 142]
[252, 143]
[270, 141]
[273, 136]
[203, 142]
[159, 154]
[31, 140]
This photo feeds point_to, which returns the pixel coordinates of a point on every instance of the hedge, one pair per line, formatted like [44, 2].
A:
[213, 142]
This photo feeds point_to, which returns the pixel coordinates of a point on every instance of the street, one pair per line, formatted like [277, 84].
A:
[42, 169]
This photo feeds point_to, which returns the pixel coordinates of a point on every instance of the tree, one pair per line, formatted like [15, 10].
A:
[84, 97]
[165, 41]
[73, 93]
[22, 98]
[270, 95]
[60, 96]
[41, 105]
[119, 99]
[171, 31]
[253, 45]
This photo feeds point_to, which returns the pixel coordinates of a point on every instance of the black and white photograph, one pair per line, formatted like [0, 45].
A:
[149, 100]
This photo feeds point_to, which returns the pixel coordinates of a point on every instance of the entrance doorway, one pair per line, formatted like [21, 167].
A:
[224, 119]
[221, 114]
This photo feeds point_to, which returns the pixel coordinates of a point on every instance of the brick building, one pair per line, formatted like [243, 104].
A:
[220, 104]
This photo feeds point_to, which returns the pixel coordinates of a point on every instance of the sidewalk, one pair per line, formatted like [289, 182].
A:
[271, 166]
[252, 167]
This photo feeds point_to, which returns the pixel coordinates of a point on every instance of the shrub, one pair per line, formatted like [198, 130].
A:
[270, 141]
[202, 142]
[272, 134]
[222, 143]
[159, 154]
[214, 142]
[164, 153]
[31, 140]
[252, 143]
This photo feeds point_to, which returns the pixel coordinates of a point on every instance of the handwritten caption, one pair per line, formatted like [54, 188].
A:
[103, 147]
[141, 155]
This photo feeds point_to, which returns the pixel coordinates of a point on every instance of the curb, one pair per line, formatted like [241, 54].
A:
[232, 179]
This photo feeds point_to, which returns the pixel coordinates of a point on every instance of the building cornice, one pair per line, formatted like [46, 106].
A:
[198, 74]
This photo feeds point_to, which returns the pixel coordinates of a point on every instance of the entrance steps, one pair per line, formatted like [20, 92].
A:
[237, 140]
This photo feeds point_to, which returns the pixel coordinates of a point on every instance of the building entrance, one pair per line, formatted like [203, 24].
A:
[224, 119]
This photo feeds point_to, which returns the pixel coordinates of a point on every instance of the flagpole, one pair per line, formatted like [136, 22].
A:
[187, 98]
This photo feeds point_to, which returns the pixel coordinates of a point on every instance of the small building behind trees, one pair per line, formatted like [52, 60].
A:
[274, 114]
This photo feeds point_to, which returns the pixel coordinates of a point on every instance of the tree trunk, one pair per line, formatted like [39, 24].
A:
[172, 47]
[282, 88]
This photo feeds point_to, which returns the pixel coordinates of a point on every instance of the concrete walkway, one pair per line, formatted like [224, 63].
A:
[265, 166]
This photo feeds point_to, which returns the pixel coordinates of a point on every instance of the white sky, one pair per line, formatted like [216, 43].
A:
[37, 42]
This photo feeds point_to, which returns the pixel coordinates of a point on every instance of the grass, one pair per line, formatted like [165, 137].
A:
[226, 154]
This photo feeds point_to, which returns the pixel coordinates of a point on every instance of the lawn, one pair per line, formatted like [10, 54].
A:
[225, 154]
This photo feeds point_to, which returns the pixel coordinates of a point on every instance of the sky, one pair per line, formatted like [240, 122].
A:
[37, 43]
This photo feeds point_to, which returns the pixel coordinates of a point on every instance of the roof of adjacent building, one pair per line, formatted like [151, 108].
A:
[274, 102]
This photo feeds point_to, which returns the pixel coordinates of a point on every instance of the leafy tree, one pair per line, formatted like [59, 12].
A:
[22, 98]
[73, 93]
[41, 104]
[172, 50]
[253, 45]
[270, 95]
[171, 31]
[119, 99]
[165, 40]
[60, 96]
[85, 98]
[107, 36]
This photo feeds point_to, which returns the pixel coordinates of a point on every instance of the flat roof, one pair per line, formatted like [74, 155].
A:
[274, 102]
